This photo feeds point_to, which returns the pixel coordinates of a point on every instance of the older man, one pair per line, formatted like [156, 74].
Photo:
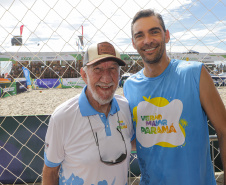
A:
[88, 138]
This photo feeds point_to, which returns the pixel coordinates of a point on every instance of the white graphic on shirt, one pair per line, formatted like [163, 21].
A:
[75, 180]
[159, 125]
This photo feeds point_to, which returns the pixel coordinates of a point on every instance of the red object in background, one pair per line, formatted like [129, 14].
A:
[21, 30]
[82, 30]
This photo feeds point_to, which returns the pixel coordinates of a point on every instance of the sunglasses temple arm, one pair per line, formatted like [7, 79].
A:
[96, 138]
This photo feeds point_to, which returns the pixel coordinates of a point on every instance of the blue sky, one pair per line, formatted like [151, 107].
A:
[56, 24]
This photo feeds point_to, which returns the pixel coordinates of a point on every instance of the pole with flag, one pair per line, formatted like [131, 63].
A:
[81, 38]
[21, 30]
[80, 42]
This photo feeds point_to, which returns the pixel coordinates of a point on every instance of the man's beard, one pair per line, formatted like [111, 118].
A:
[153, 61]
[158, 56]
[97, 97]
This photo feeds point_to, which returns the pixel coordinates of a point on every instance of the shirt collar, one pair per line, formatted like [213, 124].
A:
[87, 110]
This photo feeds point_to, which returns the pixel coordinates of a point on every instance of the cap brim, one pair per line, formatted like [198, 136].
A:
[104, 59]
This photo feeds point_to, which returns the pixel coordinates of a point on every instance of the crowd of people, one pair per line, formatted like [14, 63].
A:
[39, 70]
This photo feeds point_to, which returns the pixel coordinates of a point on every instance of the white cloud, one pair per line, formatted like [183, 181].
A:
[57, 23]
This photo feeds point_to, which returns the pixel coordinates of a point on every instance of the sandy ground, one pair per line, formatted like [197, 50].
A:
[43, 102]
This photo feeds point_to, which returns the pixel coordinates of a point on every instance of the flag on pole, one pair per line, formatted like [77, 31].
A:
[78, 43]
[81, 40]
[27, 76]
[21, 30]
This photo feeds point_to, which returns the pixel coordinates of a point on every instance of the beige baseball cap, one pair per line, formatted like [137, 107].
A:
[101, 52]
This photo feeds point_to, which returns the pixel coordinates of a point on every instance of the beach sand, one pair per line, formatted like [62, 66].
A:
[44, 101]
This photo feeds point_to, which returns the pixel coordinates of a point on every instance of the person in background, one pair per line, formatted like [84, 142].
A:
[170, 101]
[88, 138]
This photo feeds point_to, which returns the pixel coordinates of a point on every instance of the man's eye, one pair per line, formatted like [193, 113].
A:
[97, 70]
[138, 36]
[155, 32]
[113, 69]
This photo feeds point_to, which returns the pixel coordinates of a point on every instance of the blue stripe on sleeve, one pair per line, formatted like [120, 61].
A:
[48, 163]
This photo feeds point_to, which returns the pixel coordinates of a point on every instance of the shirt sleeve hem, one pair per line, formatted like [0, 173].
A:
[49, 163]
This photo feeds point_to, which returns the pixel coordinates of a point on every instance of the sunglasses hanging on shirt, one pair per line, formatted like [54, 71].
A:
[121, 158]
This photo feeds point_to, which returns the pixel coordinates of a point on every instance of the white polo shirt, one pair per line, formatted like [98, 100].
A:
[70, 142]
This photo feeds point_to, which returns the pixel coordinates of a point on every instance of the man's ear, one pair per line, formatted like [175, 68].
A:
[167, 36]
[84, 75]
[133, 44]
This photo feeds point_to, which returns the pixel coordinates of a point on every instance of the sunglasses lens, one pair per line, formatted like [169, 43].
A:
[119, 160]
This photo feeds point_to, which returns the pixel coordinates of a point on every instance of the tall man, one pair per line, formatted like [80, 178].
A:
[88, 138]
[170, 101]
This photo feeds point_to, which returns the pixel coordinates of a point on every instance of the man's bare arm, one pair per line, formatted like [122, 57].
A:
[215, 110]
[133, 143]
[50, 175]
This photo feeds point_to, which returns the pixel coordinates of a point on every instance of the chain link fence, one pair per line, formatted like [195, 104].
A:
[41, 47]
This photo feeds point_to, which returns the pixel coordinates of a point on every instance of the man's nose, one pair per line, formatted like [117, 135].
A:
[148, 39]
[106, 76]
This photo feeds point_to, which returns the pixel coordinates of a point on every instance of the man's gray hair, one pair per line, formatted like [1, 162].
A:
[85, 69]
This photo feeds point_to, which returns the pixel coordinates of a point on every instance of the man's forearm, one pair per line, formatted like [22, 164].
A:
[50, 176]
[222, 144]
[48, 180]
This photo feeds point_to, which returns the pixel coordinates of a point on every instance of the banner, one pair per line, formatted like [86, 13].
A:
[27, 76]
[5, 80]
[8, 89]
[47, 83]
[21, 86]
[19, 79]
[73, 82]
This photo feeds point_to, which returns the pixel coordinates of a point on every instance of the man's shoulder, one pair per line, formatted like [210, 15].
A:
[182, 66]
[121, 99]
[122, 102]
[186, 64]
